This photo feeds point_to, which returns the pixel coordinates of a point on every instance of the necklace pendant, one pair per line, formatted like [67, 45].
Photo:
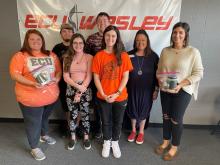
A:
[139, 72]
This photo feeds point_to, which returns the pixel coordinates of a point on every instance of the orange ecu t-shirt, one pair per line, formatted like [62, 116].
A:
[105, 65]
[38, 68]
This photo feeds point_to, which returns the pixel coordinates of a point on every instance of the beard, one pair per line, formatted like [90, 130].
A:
[66, 40]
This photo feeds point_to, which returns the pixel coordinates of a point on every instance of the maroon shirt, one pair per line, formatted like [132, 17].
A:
[93, 43]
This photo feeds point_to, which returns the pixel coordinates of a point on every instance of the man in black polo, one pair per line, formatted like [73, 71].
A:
[66, 32]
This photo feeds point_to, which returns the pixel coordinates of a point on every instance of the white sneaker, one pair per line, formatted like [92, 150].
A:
[116, 149]
[38, 154]
[106, 148]
[49, 140]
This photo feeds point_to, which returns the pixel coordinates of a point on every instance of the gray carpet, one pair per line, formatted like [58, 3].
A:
[198, 148]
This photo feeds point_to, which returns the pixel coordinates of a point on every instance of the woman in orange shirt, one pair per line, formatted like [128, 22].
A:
[111, 68]
[36, 72]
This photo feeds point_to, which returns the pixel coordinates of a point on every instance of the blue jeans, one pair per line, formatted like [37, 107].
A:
[36, 121]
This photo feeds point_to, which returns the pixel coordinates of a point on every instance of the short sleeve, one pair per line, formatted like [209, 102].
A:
[56, 62]
[17, 64]
[96, 64]
[126, 62]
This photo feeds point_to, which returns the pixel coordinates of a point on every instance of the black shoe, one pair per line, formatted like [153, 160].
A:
[87, 144]
[71, 144]
[98, 135]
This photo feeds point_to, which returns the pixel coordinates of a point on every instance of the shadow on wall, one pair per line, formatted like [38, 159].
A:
[210, 99]
[217, 105]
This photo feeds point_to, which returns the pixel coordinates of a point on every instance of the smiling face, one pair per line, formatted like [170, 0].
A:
[66, 34]
[110, 38]
[178, 36]
[102, 23]
[35, 42]
[141, 42]
[78, 45]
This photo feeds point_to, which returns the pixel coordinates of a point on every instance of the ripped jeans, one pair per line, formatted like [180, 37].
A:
[173, 109]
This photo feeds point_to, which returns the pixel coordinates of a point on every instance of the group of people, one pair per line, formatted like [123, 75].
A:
[99, 72]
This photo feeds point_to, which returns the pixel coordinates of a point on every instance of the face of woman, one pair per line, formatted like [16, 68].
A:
[35, 42]
[78, 45]
[110, 38]
[178, 36]
[141, 42]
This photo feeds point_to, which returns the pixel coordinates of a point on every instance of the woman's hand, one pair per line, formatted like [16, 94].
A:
[174, 90]
[111, 98]
[155, 94]
[37, 85]
[81, 88]
[105, 97]
[77, 97]
[55, 80]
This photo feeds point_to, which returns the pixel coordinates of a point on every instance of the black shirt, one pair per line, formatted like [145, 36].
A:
[59, 50]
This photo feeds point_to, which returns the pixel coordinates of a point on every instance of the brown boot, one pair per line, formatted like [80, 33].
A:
[160, 150]
[169, 157]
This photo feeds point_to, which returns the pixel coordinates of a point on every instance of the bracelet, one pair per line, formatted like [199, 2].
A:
[118, 92]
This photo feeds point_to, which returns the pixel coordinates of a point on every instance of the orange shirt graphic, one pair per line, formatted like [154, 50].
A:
[39, 65]
[105, 65]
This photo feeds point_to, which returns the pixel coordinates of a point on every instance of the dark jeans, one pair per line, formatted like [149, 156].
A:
[36, 121]
[112, 118]
[174, 107]
[98, 120]
[97, 123]
[62, 96]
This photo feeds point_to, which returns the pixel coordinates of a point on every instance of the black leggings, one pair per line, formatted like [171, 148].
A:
[81, 108]
[173, 108]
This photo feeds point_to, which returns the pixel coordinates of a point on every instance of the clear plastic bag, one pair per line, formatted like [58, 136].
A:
[43, 74]
[168, 80]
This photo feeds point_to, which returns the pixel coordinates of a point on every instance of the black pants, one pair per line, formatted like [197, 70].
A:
[174, 107]
[97, 113]
[112, 116]
[97, 123]
[36, 121]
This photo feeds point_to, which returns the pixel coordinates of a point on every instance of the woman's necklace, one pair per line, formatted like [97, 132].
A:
[78, 62]
[140, 72]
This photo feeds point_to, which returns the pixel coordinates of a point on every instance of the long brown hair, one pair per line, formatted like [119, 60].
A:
[118, 47]
[26, 46]
[68, 57]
